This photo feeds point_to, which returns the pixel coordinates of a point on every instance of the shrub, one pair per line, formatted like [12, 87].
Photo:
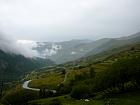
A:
[43, 93]
[119, 74]
[80, 91]
[55, 102]
[64, 89]
[92, 72]
[20, 97]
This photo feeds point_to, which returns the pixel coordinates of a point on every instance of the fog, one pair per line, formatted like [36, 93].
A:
[13, 46]
[59, 20]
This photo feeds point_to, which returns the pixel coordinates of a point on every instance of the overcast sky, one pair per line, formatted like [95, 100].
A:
[58, 20]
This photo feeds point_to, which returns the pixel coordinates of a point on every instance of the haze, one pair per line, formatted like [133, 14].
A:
[59, 20]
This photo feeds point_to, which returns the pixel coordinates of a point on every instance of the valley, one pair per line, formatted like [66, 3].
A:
[69, 52]
[106, 75]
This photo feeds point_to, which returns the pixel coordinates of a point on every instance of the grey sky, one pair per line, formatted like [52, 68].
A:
[57, 20]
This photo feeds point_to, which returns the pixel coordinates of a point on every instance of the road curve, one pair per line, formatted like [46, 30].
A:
[25, 86]
[26, 83]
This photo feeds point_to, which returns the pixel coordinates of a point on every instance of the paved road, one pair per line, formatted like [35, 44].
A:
[26, 83]
[25, 86]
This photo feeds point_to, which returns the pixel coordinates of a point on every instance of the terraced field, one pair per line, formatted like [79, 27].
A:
[131, 98]
[48, 80]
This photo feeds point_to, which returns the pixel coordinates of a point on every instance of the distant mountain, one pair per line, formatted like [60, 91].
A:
[111, 48]
[12, 66]
[131, 36]
[61, 52]
[116, 43]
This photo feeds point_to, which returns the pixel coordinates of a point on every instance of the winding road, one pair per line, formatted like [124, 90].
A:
[25, 86]
[26, 83]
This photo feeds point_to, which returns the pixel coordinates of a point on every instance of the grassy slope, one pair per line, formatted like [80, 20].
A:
[122, 99]
[49, 81]
[66, 100]
[105, 54]
[131, 98]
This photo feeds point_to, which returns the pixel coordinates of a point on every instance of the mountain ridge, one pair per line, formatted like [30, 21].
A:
[12, 66]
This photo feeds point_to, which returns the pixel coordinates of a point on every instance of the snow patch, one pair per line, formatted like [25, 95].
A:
[56, 47]
[73, 53]
[51, 51]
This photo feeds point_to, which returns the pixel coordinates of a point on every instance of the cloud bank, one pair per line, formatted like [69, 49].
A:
[11, 45]
[58, 20]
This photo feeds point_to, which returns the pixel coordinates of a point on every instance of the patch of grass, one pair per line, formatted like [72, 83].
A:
[100, 66]
[131, 98]
[72, 73]
[49, 81]
[66, 100]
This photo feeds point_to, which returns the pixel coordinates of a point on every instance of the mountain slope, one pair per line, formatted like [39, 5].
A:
[12, 66]
[62, 52]
[116, 43]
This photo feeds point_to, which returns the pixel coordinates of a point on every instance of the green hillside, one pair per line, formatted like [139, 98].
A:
[114, 79]
[116, 43]
[110, 77]
[12, 66]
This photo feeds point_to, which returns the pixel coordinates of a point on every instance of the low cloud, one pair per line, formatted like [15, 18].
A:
[60, 20]
[12, 45]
